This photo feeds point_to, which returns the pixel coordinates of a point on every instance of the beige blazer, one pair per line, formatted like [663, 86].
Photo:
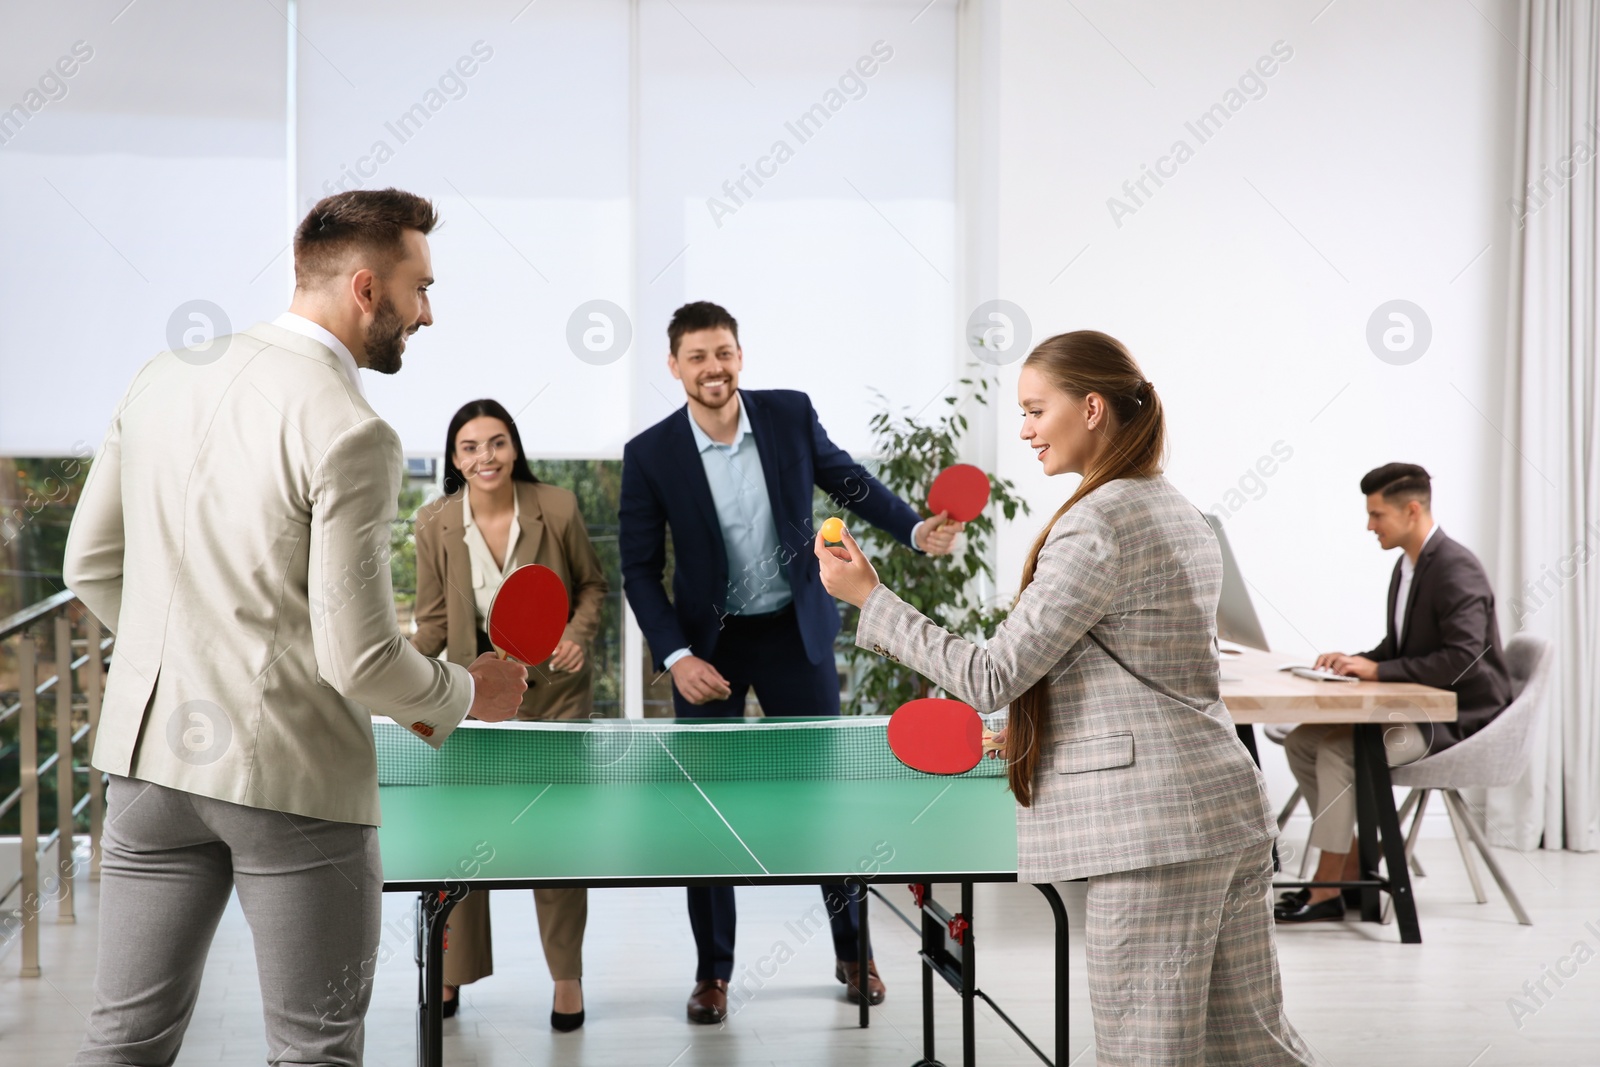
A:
[234, 531]
[1142, 765]
[553, 533]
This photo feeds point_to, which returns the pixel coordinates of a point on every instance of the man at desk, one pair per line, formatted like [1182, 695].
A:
[1441, 632]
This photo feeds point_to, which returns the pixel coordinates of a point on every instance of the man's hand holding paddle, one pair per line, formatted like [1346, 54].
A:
[956, 497]
[937, 535]
[498, 687]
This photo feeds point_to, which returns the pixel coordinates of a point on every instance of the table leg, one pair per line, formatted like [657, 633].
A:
[433, 910]
[929, 931]
[969, 983]
[1369, 749]
[1366, 826]
[1247, 735]
[863, 955]
[1059, 910]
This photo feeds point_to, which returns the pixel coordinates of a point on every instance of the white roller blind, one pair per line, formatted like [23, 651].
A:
[572, 216]
[139, 194]
[518, 130]
[797, 166]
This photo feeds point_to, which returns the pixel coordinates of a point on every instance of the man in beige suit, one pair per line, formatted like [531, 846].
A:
[234, 531]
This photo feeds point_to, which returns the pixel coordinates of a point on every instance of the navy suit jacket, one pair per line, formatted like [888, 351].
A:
[664, 485]
[1451, 640]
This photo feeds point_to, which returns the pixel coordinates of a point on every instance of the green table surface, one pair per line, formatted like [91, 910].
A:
[674, 833]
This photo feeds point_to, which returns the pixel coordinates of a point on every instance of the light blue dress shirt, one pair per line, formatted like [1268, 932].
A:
[757, 583]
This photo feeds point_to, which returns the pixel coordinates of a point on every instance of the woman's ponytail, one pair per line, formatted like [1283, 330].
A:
[1080, 363]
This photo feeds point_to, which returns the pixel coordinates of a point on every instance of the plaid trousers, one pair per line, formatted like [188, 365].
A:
[1183, 971]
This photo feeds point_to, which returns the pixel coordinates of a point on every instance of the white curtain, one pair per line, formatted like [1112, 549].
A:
[1549, 563]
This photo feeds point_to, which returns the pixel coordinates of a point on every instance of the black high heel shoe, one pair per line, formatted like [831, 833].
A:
[447, 1008]
[566, 1021]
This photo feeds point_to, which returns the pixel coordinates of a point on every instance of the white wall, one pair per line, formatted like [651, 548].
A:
[1375, 165]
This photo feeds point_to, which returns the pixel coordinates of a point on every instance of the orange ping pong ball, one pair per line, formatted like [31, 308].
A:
[832, 530]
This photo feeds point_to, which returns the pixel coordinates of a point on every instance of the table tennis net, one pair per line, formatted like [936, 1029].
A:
[604, 751]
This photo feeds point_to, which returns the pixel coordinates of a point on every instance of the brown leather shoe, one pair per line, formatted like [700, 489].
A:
[709, 1001]
[849, 972]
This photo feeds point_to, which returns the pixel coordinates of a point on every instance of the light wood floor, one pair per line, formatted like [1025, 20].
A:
[1358, 996]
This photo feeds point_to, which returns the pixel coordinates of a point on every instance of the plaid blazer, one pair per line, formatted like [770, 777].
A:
[1141, 764]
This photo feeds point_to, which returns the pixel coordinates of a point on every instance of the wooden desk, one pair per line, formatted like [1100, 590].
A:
[1267, 695]
[1264, 694]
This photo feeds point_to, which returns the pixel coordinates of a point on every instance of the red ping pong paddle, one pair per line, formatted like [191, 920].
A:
[528, 614]
[938, 736]
[962, 490]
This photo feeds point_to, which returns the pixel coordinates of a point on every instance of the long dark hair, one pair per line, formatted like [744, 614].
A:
[1080, 363]
[454, 480]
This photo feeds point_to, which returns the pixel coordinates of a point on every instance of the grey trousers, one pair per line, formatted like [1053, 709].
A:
[1182, 968]
[1323, 759]
[311, 890]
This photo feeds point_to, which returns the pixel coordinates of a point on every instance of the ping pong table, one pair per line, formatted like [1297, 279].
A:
[657, 802]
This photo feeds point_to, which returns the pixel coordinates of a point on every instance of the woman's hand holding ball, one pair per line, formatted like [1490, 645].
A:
[846, 572]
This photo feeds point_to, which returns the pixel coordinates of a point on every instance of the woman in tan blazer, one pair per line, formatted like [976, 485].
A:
[1123, 759]
[496, 516]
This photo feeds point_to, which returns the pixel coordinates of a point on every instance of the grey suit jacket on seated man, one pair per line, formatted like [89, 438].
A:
[1142, 765]
[1451, 638]
[253, 496]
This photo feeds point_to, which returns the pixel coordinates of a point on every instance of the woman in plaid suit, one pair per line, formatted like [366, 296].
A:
[1123, 759]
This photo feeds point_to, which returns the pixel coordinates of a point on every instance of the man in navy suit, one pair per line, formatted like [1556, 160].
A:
[731, 473]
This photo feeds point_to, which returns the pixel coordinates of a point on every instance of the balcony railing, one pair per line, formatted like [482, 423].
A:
[78, 670]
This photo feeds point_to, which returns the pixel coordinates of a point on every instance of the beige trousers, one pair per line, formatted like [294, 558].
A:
[469, 952]
[1182, 968]
[1323, 759]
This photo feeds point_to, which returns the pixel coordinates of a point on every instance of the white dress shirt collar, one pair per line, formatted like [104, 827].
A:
[322, 335]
